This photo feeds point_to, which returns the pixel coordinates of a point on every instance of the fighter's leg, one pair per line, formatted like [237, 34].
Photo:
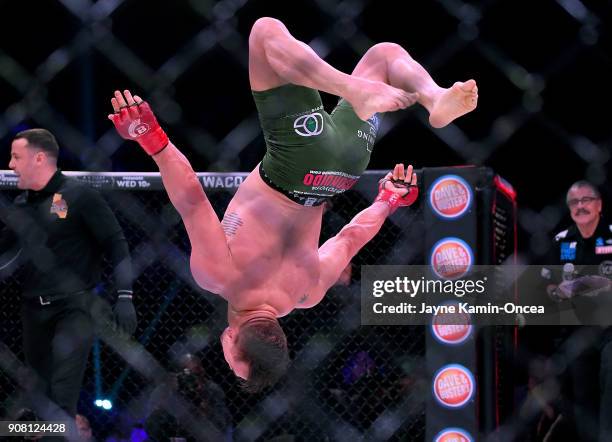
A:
[277, 58]
[390, 63]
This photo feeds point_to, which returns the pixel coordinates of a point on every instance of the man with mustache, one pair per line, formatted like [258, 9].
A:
[588, 377]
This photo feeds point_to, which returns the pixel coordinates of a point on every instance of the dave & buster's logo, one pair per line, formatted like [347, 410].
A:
[453, 435]
[453, 386]
[451, 258]
[451, 328]
[450, 196]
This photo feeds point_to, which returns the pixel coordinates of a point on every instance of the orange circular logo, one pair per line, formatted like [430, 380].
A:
[453, 435]
[453, 386]
[450, 196]
[451, 328]
[451, 258]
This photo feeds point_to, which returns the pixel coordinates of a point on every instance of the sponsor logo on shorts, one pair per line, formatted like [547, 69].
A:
[309, 125]
[453, 386]
[329, 181]
[451, 328]
[450, 196]
[453, 435]
[451, 258]
[374, 123]
[137, 129]
[59, 206]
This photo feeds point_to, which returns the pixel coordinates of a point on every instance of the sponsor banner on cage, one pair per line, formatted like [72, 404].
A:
[8, 180]
[450, 196]
[453, 386]
[229, 181]
[453, 435]
[451, 328]
[484, 295]
[98, 181]
[451, 258]
[133, 182]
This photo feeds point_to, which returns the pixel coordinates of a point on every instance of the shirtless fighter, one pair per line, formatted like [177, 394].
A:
[264, 257]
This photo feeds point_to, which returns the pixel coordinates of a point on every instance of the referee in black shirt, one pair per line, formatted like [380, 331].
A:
[62, 228]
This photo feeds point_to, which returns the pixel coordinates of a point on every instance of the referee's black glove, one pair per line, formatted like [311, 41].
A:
[125, 313]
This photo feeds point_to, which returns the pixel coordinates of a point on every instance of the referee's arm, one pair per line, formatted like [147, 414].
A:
[102, 223]
[105, 228]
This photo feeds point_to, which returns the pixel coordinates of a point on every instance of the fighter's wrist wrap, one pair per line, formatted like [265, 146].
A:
[396, 199]
[137, 122]
[154, 142]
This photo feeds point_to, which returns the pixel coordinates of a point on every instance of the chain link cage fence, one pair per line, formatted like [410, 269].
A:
[529, 58]
[345, 382]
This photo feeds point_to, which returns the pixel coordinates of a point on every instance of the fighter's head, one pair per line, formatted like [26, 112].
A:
[256, 352]
[584, 203]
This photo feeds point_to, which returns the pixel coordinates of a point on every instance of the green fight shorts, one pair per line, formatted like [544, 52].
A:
[312, 155]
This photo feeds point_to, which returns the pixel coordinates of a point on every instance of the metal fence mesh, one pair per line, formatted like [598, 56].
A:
[346, 381]
[542, 69]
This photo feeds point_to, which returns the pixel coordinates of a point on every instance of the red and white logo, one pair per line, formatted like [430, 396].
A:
[453, 386]
[451, 328]
[450, 196]
[137, 128]
[451, 258]
[453, 435]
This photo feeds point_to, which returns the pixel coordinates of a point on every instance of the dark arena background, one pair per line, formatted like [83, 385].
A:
[543, 69]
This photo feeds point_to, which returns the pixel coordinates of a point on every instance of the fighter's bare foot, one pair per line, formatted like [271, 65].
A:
[459, 99]
[369, 97]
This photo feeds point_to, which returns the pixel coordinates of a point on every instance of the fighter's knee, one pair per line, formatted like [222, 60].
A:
[387, 49]
[265, 27]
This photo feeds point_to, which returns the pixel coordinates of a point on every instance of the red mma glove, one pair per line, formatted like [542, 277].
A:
[402, 195]
[137, 122]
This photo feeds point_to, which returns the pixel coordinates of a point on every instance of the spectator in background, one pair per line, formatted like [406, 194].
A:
[179, 405]
[585, 251]
[84, 428]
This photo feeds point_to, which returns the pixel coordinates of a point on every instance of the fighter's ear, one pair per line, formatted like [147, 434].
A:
[230, 332]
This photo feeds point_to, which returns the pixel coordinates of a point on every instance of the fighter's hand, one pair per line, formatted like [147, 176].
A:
[134, 120]
[398, 188]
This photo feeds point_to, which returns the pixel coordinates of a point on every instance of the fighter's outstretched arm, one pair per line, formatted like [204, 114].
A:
[395, 190]
[211, 263]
